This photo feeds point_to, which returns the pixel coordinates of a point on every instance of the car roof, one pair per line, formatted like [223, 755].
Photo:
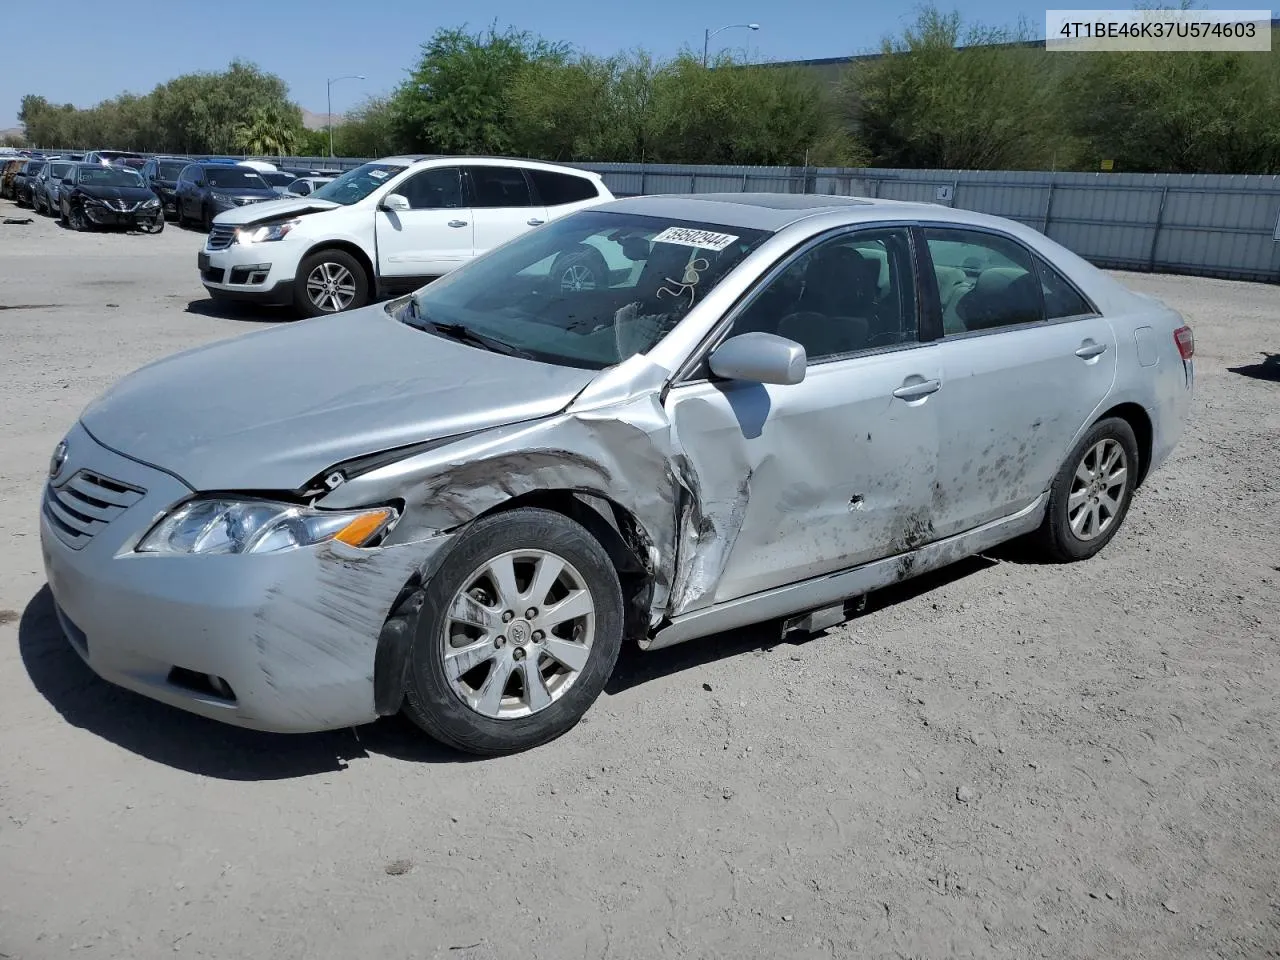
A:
[412, 158]
[775, 211]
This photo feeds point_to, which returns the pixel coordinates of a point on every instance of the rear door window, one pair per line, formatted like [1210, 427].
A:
[985, 281]
[499, 187]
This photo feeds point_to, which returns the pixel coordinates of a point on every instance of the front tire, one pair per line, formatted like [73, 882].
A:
[580, 270]
[330, 281]
[76, 219]
[517, 634]
[1091, 494]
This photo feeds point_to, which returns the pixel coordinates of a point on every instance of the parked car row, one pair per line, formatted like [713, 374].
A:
[388, 226]
[75, 187]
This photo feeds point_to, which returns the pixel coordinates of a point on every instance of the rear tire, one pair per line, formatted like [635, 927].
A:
[1091, 494]
[330, 281]
[525, 677]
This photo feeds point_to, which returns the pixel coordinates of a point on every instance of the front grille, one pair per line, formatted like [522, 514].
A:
[220, 237]
[85, 504]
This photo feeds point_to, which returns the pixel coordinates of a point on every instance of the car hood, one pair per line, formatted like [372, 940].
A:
[251, 192]
[128, 194]
[273, 209]
[274, 409]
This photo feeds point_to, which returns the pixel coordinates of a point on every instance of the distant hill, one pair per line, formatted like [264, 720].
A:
[17, 131]
[317, 121]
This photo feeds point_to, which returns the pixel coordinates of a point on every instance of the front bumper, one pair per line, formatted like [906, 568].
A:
[255, 272]
[108, 217]
[292, 635]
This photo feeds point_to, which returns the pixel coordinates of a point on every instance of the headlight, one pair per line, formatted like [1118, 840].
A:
[265, 232]
[220, 526]
[153, 202]
[220, 197]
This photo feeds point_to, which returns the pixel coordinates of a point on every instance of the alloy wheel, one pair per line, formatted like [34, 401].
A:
[1097, 490]
[576, 278]
[518, 634]
[331, 287]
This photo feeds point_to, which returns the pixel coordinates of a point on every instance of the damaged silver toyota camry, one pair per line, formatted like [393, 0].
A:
[654, 420]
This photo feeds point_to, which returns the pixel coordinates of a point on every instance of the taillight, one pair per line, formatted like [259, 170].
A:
[1186, 341]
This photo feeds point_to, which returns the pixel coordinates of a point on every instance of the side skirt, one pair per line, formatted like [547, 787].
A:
[833, 587]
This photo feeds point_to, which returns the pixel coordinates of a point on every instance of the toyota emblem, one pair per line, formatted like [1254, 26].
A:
[58, 459]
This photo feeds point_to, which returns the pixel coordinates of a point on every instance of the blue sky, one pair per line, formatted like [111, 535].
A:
[92, 49]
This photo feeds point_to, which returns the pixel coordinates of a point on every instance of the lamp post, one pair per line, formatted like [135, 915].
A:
[329, 115]
[709, 33]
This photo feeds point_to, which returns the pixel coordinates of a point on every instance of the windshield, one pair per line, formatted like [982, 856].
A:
[354, 185]
[58, 170]
[278, 179]
[169, 169]
[116, 154]
[34, 166]
[234, 177]
[587, 290]
[109, 177]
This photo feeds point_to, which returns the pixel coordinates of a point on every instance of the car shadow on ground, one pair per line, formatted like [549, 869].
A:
[187, 742]
[1268, 369]
[236, 310]
[635, 667]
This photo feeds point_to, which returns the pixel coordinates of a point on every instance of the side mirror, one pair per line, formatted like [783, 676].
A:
[395, 201]
[761, 358]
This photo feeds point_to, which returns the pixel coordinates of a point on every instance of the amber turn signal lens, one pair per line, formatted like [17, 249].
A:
[364, 527]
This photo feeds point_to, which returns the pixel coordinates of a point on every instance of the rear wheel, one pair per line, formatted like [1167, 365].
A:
[1090, 496]
[517, 634]
[330, 281]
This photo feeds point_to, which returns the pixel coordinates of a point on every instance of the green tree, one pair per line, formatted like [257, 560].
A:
[456, 98]
[1176, 112]
[948, 96]
[368, 130]
[742, 113]
[268, 132]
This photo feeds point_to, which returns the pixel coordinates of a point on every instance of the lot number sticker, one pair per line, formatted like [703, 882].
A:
[702, 239]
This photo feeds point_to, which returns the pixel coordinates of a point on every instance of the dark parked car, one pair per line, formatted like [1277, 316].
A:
[110, 156]
[161, 175]
[25, 179]
[9, 173]
[206, 189]
[48, 183]
[108, 196]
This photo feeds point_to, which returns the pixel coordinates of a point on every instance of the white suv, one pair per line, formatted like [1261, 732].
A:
[386, 227]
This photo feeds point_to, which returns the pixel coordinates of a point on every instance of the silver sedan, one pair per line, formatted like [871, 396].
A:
[461, 503]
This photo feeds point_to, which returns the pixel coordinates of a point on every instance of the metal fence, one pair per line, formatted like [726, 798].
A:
[1204, 224]
[1213, 225]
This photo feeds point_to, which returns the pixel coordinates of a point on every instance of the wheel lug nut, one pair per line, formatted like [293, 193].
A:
[500, 642]
[537, 636]
[531, 613]
[507, 616]
[518, 653]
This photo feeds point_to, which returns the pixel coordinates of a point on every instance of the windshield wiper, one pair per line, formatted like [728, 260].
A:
[462, 333]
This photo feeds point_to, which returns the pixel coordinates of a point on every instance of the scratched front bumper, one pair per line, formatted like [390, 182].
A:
[294, 633]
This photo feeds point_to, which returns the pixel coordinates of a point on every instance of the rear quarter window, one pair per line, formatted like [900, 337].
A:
[555, 189]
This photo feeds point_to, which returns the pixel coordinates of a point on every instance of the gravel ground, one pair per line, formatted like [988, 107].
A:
[1005, 760]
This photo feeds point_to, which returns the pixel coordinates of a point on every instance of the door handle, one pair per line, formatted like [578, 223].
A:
[1089, 350]
[457, 223]
[535, 222]
[914, 391]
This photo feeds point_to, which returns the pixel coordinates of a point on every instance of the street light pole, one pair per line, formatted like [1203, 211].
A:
[708, 33]
[329, 116]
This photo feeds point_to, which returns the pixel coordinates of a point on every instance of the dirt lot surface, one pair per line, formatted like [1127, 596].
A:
[1007, 760]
